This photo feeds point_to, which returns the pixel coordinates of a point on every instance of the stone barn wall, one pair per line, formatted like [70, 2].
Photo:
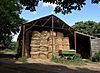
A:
[95, 46]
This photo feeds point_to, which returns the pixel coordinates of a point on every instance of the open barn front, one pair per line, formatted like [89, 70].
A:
[45, 37]
[83, 45]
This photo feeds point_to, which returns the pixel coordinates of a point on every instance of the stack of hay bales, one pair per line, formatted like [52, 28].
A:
[66, 45]
[35, 44]
[51, 43]
[45, 43]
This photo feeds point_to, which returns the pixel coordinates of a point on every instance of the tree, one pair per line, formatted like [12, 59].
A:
[64, 6]
[9, 19]
[88, 27]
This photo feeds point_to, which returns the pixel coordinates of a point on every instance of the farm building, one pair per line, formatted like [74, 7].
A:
[48, 35]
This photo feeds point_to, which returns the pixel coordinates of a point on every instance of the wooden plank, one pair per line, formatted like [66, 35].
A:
[75, 39]
[23, 42]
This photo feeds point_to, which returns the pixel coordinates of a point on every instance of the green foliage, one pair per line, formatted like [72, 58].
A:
[22, 59]
[64, 6]
[96, 57]
[88, 27]
[77, 57]
[9, 20]
[75, 61]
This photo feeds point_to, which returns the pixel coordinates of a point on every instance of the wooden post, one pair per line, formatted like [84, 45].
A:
[23, 42]
[52, 35]
[75, 39]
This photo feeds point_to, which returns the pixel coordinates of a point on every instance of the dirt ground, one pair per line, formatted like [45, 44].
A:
[44, 66]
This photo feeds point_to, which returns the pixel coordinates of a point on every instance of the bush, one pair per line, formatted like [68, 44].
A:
[96, 57]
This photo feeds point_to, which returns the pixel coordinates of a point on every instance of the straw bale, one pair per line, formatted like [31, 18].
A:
[50, 48]
[51, 39]
[34, 49]
[66, 47]
[36, 34]
[66, 40]
[44, 42]
[43, 55]
[59, 34]
[35, 42]
[43, 49]
[59, 40]
[49, 55]
[56, 53]
[59, 47]
[53, 33]
[34, 55]
[45, 34]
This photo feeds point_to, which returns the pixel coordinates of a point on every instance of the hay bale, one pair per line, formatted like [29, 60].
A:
[49, 55]
[50, 48]
[44, 42]
[43, 55]
[34, 49]
[59, 34]
[51, 39]
[35, 42]
[66, 40]
[44, 34]
[59, 47]
[35, 55]
[66, 47]
[43, 49]
[56, 53]
[59, 40]
[36, 34]
[53, 33]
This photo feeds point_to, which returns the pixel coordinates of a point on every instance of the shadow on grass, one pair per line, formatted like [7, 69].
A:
[12, 67]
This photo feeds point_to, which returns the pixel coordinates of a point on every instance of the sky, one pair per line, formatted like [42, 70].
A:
[89, 12]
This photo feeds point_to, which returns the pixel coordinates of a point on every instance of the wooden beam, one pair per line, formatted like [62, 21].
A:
[31, 26]
[46, 21]
[63, 25]
[75, 39]
[52, 35]
[23, 42]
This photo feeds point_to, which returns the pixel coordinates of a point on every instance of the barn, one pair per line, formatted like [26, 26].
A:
[46, 36]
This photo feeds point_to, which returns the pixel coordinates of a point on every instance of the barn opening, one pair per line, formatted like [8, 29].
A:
[83, 45]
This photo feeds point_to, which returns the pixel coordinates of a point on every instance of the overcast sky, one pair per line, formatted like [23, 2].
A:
[89, 12]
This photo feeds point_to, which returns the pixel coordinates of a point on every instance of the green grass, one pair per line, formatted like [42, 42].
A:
[22, 59]
[75, 61]
[8, 50]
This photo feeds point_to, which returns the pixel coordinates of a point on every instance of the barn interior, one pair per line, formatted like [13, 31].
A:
[83, 45]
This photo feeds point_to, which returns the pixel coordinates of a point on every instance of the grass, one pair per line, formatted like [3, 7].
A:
[22, 59]
[76, 61]
[8, 51]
